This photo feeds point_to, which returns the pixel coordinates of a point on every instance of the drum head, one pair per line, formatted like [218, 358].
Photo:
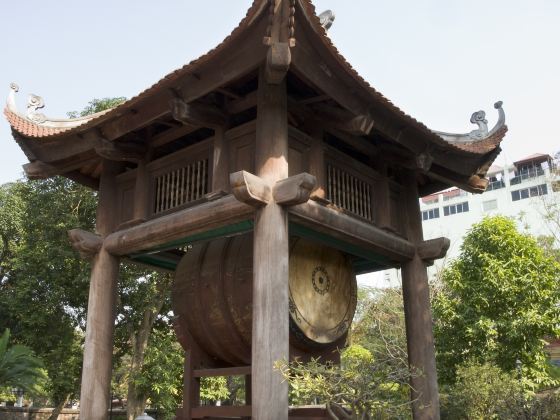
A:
[322, 291]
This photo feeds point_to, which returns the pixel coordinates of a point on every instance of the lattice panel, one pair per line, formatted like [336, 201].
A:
[181, 186]
[349, 192]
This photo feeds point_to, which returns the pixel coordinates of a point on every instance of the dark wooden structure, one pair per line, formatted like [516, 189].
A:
[271, 134]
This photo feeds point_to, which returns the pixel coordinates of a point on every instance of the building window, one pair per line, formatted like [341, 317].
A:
[529, 192]
[456, 208]
[489, 205]
[430, 214]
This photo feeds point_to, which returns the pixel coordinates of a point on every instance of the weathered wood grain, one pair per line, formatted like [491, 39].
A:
[418, 315]
[270, 339]
[156, 232]
[98, 348]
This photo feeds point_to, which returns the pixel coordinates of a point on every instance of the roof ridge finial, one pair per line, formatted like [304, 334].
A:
[11, 101]
[481, 133]
[35, 102]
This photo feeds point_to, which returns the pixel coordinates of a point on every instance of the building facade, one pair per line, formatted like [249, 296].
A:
[520, 190]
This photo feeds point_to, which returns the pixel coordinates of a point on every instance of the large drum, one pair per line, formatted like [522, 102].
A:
[212, 297]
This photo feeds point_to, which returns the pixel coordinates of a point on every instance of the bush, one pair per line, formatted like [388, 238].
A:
[481, 392]
[484, 392]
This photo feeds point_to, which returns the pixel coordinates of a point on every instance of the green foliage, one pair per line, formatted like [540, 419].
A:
[97, 105]
[497, 303]
[361, 385]
[482, 392]
[161, 377]
[18, 366]
[43, 291]
[214, 388]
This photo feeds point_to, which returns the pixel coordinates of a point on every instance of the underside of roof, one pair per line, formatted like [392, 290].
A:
[435, 151]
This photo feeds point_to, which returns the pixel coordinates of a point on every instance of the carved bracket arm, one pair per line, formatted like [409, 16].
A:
[433, 249]
[86, 243]
[250, 189]
[294, 190]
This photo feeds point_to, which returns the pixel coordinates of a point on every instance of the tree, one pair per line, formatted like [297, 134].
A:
[18, 365]
[498, 302]
[372, 379]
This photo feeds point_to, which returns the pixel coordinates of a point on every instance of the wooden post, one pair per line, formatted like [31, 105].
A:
[191, 385]
[270, 339]
[418, 316]
[98, 349]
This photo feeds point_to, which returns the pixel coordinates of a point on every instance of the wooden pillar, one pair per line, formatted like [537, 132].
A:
[270, 258]
[418, 316]
[98, 349]
[191, 385]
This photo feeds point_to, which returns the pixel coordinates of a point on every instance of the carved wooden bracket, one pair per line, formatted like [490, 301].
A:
[358, 125]
[294, 190]
[86, 243]
[278, 61]
[250, 189]
[433, 249]
[39, 170]
[121, 152]
[197, 114]
[424, 161]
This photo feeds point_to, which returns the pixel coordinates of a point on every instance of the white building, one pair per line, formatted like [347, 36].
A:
[519, 190]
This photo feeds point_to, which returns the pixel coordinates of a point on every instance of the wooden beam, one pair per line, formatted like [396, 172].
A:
[197, 114]
[39, 170]
[242, 104]
[86, 243]
[175, 226]
[352, 230]
[227, 411]
[231, 371]
[313, 100]
[250, 189]
[82, 179]
[172, 134]
[120, 151]
[294, 190]
[433, 249]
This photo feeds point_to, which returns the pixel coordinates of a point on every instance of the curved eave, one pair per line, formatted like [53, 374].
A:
[30, 129]
[476, 149]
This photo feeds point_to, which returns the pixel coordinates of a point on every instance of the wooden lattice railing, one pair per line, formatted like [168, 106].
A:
[349, 192]
[181, 186]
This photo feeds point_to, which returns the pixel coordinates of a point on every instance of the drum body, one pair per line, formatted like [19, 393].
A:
[212, 299]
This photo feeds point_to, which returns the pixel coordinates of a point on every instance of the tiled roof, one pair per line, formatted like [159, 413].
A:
[30, 129]
[477, 148]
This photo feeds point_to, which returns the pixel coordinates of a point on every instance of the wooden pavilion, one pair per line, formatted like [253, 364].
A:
[271, 132]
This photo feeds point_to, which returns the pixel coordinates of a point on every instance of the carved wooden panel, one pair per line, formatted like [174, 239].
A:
[242, 147]
[180, 186]
[350, 192]
[126, 200]
[396, 198]
[298, 152]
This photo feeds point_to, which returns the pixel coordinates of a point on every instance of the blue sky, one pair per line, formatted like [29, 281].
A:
[437, 60]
